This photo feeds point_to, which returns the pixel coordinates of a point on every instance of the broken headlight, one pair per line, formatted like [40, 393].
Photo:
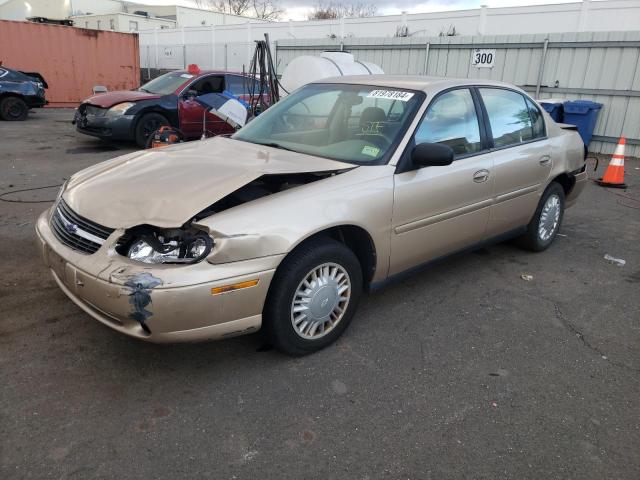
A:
[149, 245]
[119, 109]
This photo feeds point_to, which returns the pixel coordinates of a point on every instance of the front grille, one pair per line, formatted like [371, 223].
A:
[77, 232]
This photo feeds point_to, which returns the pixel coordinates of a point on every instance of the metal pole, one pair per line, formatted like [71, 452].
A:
[275, 45]
[225, 57]
[184, 49]
[155, 43]
[541, 69]
[426, 59]
[213, 46]
[148, 63]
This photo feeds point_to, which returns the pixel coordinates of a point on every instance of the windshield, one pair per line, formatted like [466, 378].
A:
[353, 123]
[166, 84]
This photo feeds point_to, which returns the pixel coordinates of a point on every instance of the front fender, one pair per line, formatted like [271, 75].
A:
[276, 224]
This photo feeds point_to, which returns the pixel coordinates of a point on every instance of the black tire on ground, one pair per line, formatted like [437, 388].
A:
[13, 109]
[532, 239]
[277, 312]
[146, 125]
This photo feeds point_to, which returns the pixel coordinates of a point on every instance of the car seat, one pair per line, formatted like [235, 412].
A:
[369, 116]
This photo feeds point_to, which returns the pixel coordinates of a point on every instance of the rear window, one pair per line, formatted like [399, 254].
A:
[510, 117]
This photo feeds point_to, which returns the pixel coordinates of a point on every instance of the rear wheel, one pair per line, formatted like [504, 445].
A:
[148, 123]
[13, 108]
[545, 224]
[313, 297]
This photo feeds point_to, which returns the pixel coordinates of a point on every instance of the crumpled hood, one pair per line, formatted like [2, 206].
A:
[166, 187]
[109, 99]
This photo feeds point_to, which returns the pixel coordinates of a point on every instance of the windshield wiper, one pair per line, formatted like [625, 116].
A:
[275, 145]
[144, 90]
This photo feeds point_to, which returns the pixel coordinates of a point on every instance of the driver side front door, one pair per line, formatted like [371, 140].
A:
[194, 121]
[439, 210]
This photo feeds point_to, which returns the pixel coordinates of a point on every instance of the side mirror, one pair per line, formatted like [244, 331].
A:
[192, 93]
[432, 155]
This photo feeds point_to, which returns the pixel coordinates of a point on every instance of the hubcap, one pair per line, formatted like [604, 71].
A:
[320, 301]
[14, 110]
[549, 218]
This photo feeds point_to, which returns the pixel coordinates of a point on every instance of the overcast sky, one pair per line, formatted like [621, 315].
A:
[298, 9]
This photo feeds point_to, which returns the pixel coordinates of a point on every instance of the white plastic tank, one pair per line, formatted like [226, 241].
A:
[307, 68]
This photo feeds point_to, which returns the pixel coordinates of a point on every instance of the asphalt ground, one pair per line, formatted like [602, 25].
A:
[464, 370]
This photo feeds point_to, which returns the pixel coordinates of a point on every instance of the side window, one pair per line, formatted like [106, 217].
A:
[237, 85]
[509, 116]
[242, 85]
[452, 120]
[396, 112]
[212, 84]
[537, 120]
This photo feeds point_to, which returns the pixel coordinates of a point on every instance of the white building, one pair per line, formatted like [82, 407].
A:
[121, 22]
[186, 16]
[54, 9]
[120, 16]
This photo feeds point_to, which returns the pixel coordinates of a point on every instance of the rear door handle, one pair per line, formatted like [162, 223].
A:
[545, 160]
[481, 176]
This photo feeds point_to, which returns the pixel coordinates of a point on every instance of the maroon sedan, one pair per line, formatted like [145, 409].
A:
[165, 100]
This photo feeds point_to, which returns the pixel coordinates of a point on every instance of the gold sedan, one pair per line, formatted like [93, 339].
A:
[337, 188]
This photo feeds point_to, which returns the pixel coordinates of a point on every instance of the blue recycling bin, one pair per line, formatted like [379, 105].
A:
[554, 109]
[583, 114]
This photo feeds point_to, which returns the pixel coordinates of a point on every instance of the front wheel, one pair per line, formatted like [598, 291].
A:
[147, 125]
[313, 297]
[545, 224]
[13, 108]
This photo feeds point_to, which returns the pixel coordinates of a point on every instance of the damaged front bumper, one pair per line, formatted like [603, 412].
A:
[102, 126]
[159, 303]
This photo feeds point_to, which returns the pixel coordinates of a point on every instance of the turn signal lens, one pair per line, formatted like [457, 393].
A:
[235, 286]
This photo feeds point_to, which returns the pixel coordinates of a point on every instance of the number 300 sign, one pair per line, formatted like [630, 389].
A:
[483, 58]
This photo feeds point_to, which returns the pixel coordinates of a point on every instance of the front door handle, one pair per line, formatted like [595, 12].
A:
[545, 160]
[481, 176]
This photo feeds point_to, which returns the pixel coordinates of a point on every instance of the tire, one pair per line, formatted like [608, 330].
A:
[146, 125]
[13, 109]
[539, 238]
[337, 265]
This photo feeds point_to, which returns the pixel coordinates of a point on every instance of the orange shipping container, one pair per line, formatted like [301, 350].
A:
[72, 60]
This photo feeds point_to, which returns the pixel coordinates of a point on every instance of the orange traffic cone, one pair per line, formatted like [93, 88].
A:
[614, 174]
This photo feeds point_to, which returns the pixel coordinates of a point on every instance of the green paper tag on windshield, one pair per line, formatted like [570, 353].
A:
[371, 151]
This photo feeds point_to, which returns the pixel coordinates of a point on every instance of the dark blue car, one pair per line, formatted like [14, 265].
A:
[20, 91]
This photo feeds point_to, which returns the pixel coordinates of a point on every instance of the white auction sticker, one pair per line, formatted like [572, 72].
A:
[186, 75]
[391, 95]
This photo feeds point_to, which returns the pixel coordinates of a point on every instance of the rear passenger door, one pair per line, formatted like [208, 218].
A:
[442, 209]
[522, 157]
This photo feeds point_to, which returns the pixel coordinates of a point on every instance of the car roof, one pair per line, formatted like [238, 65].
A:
[207, 72]
[412, 82]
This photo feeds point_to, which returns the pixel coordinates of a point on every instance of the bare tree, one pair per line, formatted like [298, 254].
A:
[267, 9]
[235, 7]
[336, 9]
[262, 9]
